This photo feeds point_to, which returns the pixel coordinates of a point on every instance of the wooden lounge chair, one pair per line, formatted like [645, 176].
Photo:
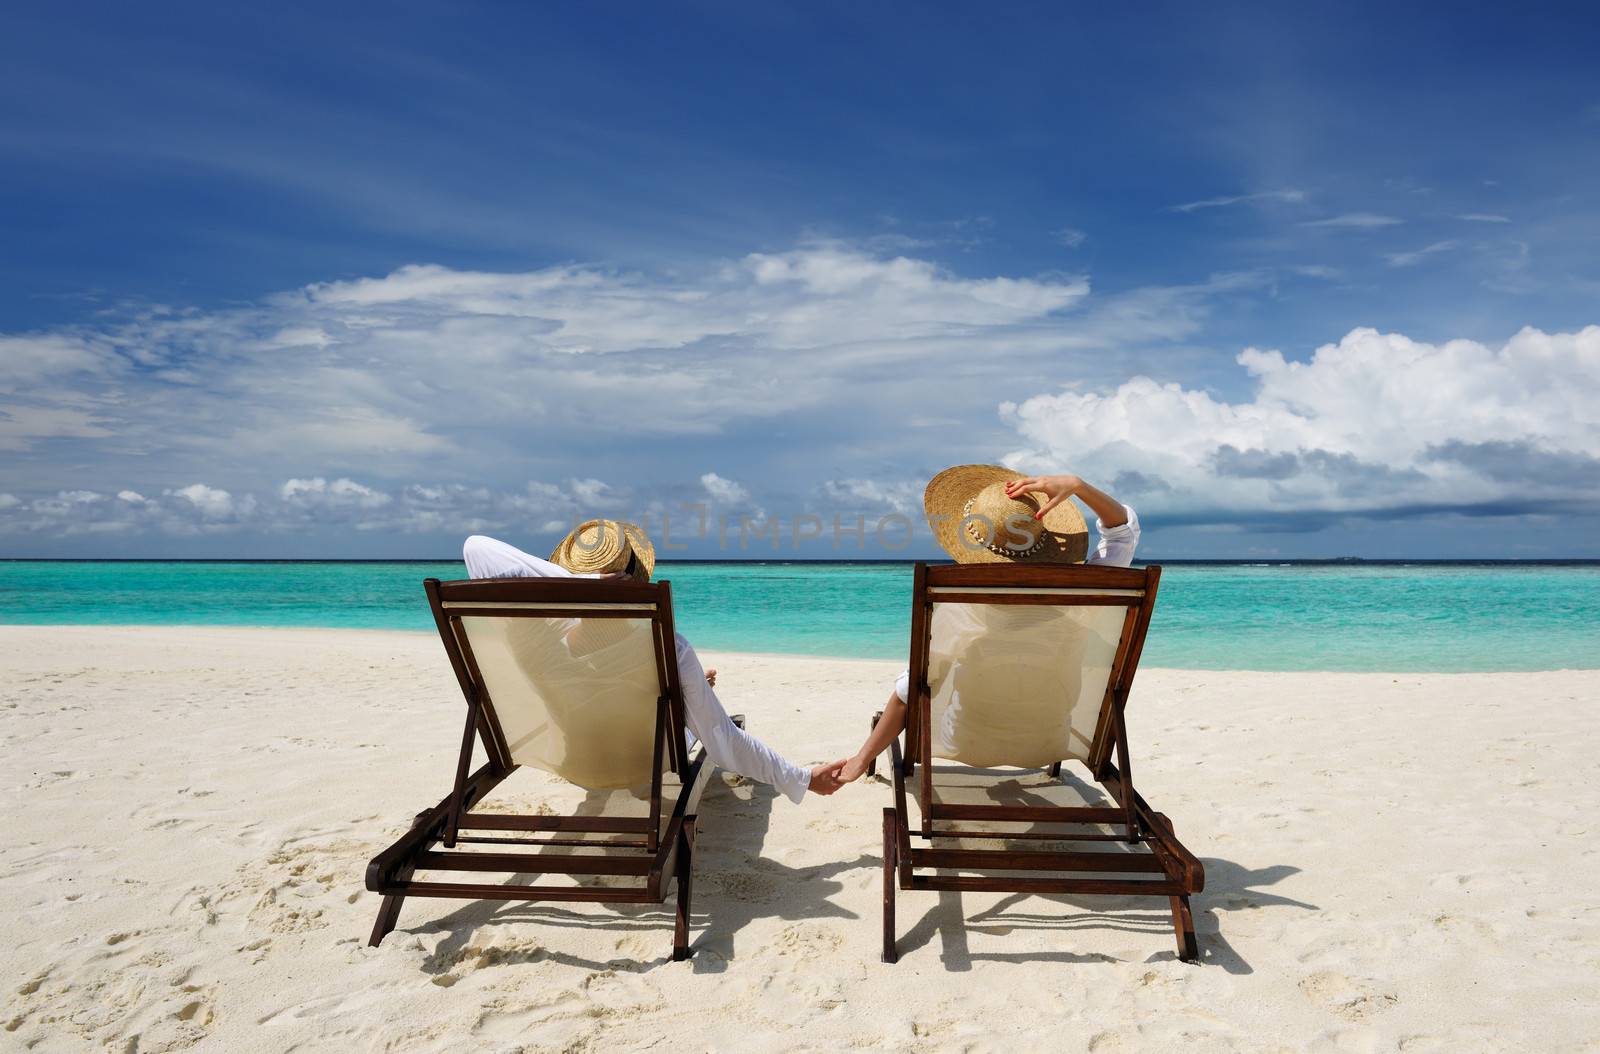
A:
[1028, 666]
[579, 678]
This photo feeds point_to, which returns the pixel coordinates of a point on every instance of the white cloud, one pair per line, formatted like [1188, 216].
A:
[21, 426]
[1484, 217]
[340, 492]
[593, 492]
[539, 508]
[188, 510]
[1411, 259]
[426, 367]
[1355, 221]
[422, 401]
[212, 502]
[1071, 237]
[902, 496]
[723, 490]
[1289, 196]
[1375, 423]
[27, 359]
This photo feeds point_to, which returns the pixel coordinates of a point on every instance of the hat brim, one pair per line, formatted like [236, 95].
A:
[1066, 535]
[620, 542]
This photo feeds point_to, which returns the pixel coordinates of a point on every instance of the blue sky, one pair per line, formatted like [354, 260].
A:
[286, 282]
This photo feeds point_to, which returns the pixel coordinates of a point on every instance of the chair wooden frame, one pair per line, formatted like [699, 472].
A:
[647, 848]
[1158, 863]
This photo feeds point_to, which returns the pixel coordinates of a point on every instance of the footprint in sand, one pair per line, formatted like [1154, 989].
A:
[1351, 998]
[809, 939]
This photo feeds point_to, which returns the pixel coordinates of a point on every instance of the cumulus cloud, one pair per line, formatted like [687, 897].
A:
[340, 503]
[212, 503]
[191, 510]
[318, 491]
[423, 401]
[723, 490]
[1377, 424]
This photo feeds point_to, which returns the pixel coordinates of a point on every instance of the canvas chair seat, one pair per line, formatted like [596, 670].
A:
[1018, 686]
[582, 712]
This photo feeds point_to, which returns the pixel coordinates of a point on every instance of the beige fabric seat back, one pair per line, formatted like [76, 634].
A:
[1019, 685]
[574, 697]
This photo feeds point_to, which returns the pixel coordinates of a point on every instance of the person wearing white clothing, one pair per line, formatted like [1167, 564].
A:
[1116, 524]
[727, 745]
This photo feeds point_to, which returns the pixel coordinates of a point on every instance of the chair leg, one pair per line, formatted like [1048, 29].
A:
[1055, 771]
[388, 915]
[680, 928]
[389, 910]
[890, 843]
[872, 766]
[1183, 927]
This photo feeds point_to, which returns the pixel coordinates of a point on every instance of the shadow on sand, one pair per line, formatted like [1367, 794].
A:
[734, 886]
[1229, 887]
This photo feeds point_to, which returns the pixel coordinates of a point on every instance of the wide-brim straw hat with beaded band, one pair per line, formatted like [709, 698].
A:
[976, 523]
[605, 547]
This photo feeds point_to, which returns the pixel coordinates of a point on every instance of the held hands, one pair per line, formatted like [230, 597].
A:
[852, 769]
[825, 778]
[1055, 489]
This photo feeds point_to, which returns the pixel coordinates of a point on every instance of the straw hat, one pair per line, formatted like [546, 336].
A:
[974, 521]
[603, 547]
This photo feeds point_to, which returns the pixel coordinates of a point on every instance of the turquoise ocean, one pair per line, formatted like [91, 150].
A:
[1391, 617]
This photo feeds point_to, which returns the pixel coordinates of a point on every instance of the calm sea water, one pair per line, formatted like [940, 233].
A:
[1294, 617]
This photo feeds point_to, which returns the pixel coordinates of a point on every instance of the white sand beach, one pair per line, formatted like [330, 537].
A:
[1394, 862]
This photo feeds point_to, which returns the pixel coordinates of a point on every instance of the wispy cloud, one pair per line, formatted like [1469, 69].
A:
[343, 395]
[437, 402]
[1484, 217]
[1511, 269]
[1355, 221]
[1411, 259]
[1071, 237]
[1288, 196]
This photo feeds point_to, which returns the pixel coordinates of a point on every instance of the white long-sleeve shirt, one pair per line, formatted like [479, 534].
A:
[727, 745]
[1113, 548]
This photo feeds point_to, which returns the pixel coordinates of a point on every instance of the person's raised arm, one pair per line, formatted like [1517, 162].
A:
[1057, 489]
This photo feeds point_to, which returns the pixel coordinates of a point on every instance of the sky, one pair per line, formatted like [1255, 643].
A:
[1290, 280]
